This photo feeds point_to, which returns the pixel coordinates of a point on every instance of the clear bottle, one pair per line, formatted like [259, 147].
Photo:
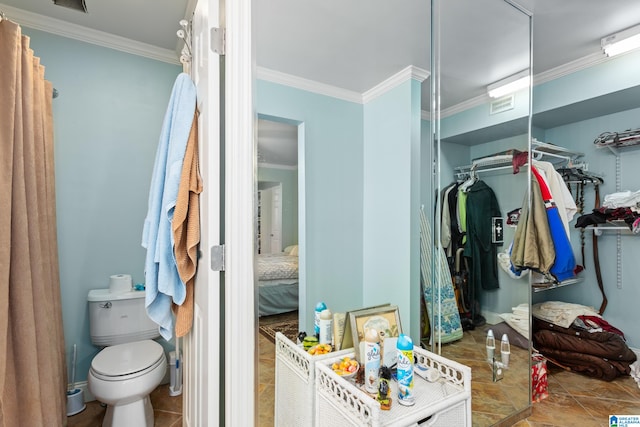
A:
[405, 370]
[505, 351]
[491, 346]
[319, 307]
[371, 360]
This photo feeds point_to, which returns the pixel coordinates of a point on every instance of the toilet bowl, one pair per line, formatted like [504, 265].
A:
[123, 376]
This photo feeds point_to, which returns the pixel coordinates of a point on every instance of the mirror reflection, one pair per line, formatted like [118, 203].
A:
[277, 218]
[478, 310]
[473, 137]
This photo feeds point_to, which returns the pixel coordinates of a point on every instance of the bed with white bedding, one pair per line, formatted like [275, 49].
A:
[278, 282]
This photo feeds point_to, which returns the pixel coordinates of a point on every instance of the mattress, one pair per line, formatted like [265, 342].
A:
[277, 266]
[277, 296]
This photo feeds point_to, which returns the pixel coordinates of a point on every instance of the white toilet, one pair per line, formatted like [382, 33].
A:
[131, 365]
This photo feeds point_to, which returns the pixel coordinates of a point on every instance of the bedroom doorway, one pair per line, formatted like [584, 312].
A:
[280, 263]
[279, 267]
[269, 217]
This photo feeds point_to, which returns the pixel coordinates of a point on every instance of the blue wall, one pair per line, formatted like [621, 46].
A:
[332, 170]
[621, 310]
[107, 121]
[579, 105]
[391, 202]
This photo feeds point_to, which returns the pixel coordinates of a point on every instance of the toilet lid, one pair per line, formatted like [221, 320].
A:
[125, 359]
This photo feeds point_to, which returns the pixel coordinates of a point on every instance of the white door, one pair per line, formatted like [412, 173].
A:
[265, 220]
[202, 404]
[220, 350]
[276, 219]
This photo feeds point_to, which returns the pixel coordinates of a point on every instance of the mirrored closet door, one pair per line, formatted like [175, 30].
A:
[478, 307]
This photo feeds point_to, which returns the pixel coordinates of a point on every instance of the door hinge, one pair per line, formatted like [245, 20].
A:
[217, 258]
[218, 40]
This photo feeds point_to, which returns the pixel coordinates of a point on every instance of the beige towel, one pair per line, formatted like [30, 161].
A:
[186, 228]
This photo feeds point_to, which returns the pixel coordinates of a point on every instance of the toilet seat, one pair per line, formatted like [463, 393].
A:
[127, 361]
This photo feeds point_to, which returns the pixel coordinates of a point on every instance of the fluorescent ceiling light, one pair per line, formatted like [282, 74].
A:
[621, 42]
[509, 85]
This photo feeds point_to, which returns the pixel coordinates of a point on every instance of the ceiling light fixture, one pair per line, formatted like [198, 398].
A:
[509, 85]
[621, 42]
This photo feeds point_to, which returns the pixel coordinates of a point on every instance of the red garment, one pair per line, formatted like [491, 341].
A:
[599, 322]
[519, 159]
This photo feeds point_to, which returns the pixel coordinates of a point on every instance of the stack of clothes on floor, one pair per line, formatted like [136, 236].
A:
[576, 337]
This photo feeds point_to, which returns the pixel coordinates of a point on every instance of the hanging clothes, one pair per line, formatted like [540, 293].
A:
[567, 207]
[163, 283]
[532, 245]
[481, 206]
[564, 264]
[445, 225]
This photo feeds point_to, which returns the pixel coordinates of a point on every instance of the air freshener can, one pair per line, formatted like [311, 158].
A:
[371, 360]
[319, 308]
[405, 370]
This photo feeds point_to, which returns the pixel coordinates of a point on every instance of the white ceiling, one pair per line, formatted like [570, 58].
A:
[357, 44]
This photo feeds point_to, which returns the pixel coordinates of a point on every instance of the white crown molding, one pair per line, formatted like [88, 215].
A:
[570, 67]
[307, 85]
[540, 78]
[89, 35]
[395, 80]
[410, 72]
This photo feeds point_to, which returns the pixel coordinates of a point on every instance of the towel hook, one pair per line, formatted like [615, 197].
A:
[185, 35]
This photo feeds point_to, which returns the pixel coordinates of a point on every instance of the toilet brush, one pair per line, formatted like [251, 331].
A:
[75, 399]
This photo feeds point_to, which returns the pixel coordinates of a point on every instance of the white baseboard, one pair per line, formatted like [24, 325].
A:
[89, 397]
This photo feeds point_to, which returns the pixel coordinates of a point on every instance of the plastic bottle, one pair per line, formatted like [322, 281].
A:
[505, 351]
[491, 346]
[319, 307]
[405, 370]
[371, 360]
[326, 329]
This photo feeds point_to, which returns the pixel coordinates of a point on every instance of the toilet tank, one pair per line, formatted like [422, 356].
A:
[117, 318]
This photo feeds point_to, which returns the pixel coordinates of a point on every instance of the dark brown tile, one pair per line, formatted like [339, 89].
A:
[161, 400]
[601, 408]
[561, 410]
[92, 416]
[166, 419]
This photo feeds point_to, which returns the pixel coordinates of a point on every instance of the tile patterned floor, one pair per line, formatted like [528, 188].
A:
[167, 411]
[573, 399]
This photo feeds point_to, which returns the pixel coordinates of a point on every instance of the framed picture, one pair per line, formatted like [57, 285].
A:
[385, 319]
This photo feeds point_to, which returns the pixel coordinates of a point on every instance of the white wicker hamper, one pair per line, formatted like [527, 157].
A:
[446, 402]
[295, 381]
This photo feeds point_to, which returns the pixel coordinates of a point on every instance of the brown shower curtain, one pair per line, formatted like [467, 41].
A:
[32, 357]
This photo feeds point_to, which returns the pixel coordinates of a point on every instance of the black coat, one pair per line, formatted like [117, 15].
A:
[482, 206]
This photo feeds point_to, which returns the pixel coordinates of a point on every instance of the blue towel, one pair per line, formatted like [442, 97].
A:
[162, 281]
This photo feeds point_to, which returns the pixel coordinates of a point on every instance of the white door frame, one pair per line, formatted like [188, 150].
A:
[239, 306]
[229, 349]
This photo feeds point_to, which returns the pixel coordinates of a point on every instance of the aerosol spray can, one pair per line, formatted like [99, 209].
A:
[405, 370]
[319, 308]
[371, 360]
